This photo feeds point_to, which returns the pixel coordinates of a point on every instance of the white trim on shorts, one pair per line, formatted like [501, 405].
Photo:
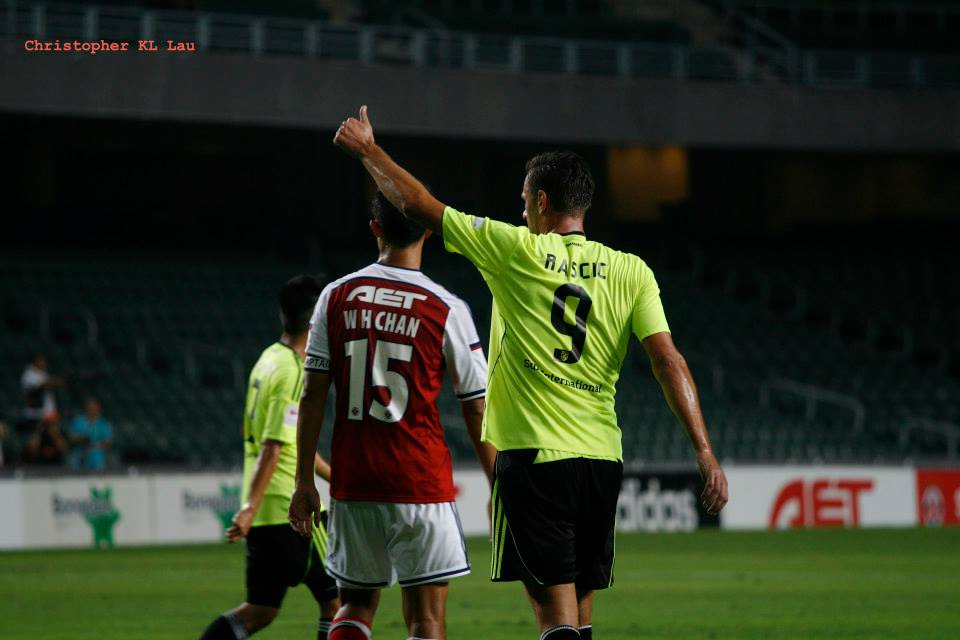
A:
[369, 543]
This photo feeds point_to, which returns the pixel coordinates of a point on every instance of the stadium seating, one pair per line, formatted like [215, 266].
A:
[793, 363]
[892, 26]
[856, 322]
[577, 19]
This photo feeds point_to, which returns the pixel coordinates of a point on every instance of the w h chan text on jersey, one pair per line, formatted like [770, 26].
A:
[386, 321]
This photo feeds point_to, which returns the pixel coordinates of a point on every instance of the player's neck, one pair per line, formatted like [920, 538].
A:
[563, 224]
[297, 343]
[406, 258]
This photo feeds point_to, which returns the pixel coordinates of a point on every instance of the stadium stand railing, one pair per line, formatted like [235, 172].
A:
[754, 54]
[886, 25]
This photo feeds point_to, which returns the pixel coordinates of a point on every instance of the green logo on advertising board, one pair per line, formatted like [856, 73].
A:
[97, 510]
[102, 519]
[222, 505]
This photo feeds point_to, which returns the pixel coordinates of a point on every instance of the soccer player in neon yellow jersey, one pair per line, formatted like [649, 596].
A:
[277, 557]
[564, 308]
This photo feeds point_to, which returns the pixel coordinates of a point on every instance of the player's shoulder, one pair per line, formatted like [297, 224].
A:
[455, 305]
[342, 283]
[377, 276]
[268, 357]
[419, 280]
[377, 272]
[447, 297]
[483, 224]
[633, 263]
[333, 285]
[277, 362]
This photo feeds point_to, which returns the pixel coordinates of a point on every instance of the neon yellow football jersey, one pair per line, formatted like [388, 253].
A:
[564, 309]
[273, 397]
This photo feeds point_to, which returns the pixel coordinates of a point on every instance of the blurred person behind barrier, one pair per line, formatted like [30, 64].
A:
[46, 445]
[37, 386]
[90, 437]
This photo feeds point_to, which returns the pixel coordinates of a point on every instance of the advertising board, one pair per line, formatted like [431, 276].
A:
[194, 507]
[662, 502]
[812, 497]
[183, 508]
[83, 512]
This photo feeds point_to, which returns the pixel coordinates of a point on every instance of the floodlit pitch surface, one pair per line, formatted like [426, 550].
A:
[798, 584]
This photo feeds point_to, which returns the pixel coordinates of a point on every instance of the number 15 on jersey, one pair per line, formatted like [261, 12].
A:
[380, 376]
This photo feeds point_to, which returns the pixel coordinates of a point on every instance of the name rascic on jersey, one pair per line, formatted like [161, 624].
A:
[585, 270]
[386, 321]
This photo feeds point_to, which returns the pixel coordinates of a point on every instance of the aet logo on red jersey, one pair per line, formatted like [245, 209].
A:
[384, 296]
[819, 503]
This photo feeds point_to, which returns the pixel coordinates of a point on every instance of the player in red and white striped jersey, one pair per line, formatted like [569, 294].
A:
[384, 336]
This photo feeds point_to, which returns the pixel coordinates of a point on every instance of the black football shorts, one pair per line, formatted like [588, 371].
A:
[553, 522]
[279, 558]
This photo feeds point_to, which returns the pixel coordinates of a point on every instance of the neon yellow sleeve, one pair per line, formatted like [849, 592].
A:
[648, 315]
[486, 243]
[279, 410]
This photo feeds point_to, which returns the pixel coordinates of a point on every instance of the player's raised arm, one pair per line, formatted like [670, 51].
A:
[305, 504]
[405, 192]
[671, 371]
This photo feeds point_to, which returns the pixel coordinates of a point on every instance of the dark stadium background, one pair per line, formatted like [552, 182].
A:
[848, 256]
[790, 170]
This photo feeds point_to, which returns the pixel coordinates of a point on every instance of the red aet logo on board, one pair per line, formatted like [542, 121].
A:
[824, 502]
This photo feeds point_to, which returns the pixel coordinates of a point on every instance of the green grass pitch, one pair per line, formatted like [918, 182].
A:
[799, 584]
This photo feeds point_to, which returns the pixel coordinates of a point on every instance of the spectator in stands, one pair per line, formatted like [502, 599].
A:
[90, 437]
[39, 401]
[47, 444]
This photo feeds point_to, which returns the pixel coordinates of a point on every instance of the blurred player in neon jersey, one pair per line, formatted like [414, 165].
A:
[564, 308]
[277, 558]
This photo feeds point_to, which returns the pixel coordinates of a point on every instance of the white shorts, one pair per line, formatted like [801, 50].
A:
[376, 544]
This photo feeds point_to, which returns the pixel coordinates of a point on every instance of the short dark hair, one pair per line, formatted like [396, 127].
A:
[398, 230]
[565, 177]
[298, 297]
